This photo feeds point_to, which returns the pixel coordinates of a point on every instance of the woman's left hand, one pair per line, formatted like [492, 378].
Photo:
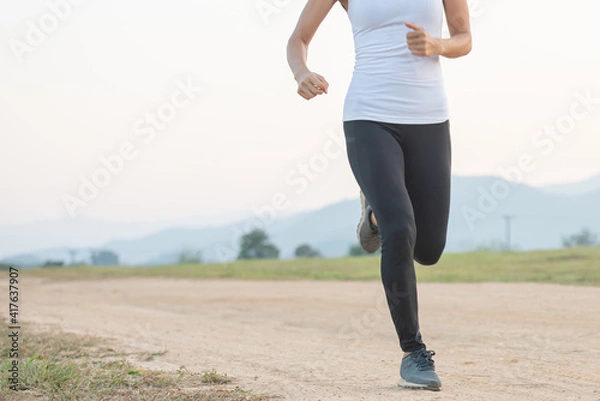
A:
[421, 43]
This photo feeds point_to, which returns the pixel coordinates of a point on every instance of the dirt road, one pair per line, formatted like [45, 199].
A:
[335, 341]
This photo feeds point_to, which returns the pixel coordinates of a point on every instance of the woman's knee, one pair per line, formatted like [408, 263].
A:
[399, 234]
[430, 253]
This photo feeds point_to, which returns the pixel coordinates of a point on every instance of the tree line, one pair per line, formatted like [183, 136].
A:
[256, 244]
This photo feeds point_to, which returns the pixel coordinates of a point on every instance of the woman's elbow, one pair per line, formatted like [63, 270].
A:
[465, 47]
[469, 44]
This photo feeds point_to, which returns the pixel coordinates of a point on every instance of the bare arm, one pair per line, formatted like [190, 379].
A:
[459, 44]
[309, 84]
[421, 43]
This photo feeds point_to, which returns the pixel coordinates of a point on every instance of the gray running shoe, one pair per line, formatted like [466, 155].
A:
[367, 233]
[418, 371]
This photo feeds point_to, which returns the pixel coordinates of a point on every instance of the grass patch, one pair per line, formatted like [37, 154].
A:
[149, 356]
[58, 366]
[579, 266]
[213, 377]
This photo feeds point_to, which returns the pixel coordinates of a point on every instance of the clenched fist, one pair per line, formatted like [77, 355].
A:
[311, 84]
[421, 43]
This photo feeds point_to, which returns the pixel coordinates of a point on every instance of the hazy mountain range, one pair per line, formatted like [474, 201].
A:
[539, 219]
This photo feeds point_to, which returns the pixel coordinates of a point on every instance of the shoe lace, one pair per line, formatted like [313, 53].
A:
[424, 359]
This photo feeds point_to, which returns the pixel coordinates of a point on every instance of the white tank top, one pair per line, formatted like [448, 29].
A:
[389, 84]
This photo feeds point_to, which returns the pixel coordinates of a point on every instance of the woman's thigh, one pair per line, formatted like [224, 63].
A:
[427, 159]
[377, 162]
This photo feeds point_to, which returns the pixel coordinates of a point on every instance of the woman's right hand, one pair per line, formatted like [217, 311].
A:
[311, 84]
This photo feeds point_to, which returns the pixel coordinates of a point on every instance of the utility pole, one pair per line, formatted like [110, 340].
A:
[72, 252]
[508, 218]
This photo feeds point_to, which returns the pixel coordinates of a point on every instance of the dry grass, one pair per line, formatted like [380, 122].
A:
[213, 377]
[58, 366]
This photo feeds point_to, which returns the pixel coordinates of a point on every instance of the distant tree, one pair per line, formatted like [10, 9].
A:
[584, 238]
[54, 263]
[4, 267]
[188, 256]
[256, 245]
[356, 250]
[306, 251]
[104, 257]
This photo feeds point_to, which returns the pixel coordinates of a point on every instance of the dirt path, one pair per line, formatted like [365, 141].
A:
[335, 341]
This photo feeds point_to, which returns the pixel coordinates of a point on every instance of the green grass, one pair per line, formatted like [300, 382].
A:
[580, 266]
[213, 377]
[58, 366]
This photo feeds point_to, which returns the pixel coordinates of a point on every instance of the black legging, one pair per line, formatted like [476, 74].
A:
[404, 172]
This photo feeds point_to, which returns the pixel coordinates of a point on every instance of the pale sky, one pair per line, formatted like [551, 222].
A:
[84, 89]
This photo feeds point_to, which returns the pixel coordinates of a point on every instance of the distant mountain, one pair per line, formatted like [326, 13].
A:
[331, 229]
[575, 188]
[25, 260]
[479, 205]
[86, 233]
[80, 255]
[540, 219]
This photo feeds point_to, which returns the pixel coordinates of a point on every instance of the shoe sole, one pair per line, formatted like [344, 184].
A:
[368, 245]
[363, 206]
[404, 384]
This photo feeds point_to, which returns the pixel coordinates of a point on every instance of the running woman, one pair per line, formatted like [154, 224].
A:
[396, 125]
